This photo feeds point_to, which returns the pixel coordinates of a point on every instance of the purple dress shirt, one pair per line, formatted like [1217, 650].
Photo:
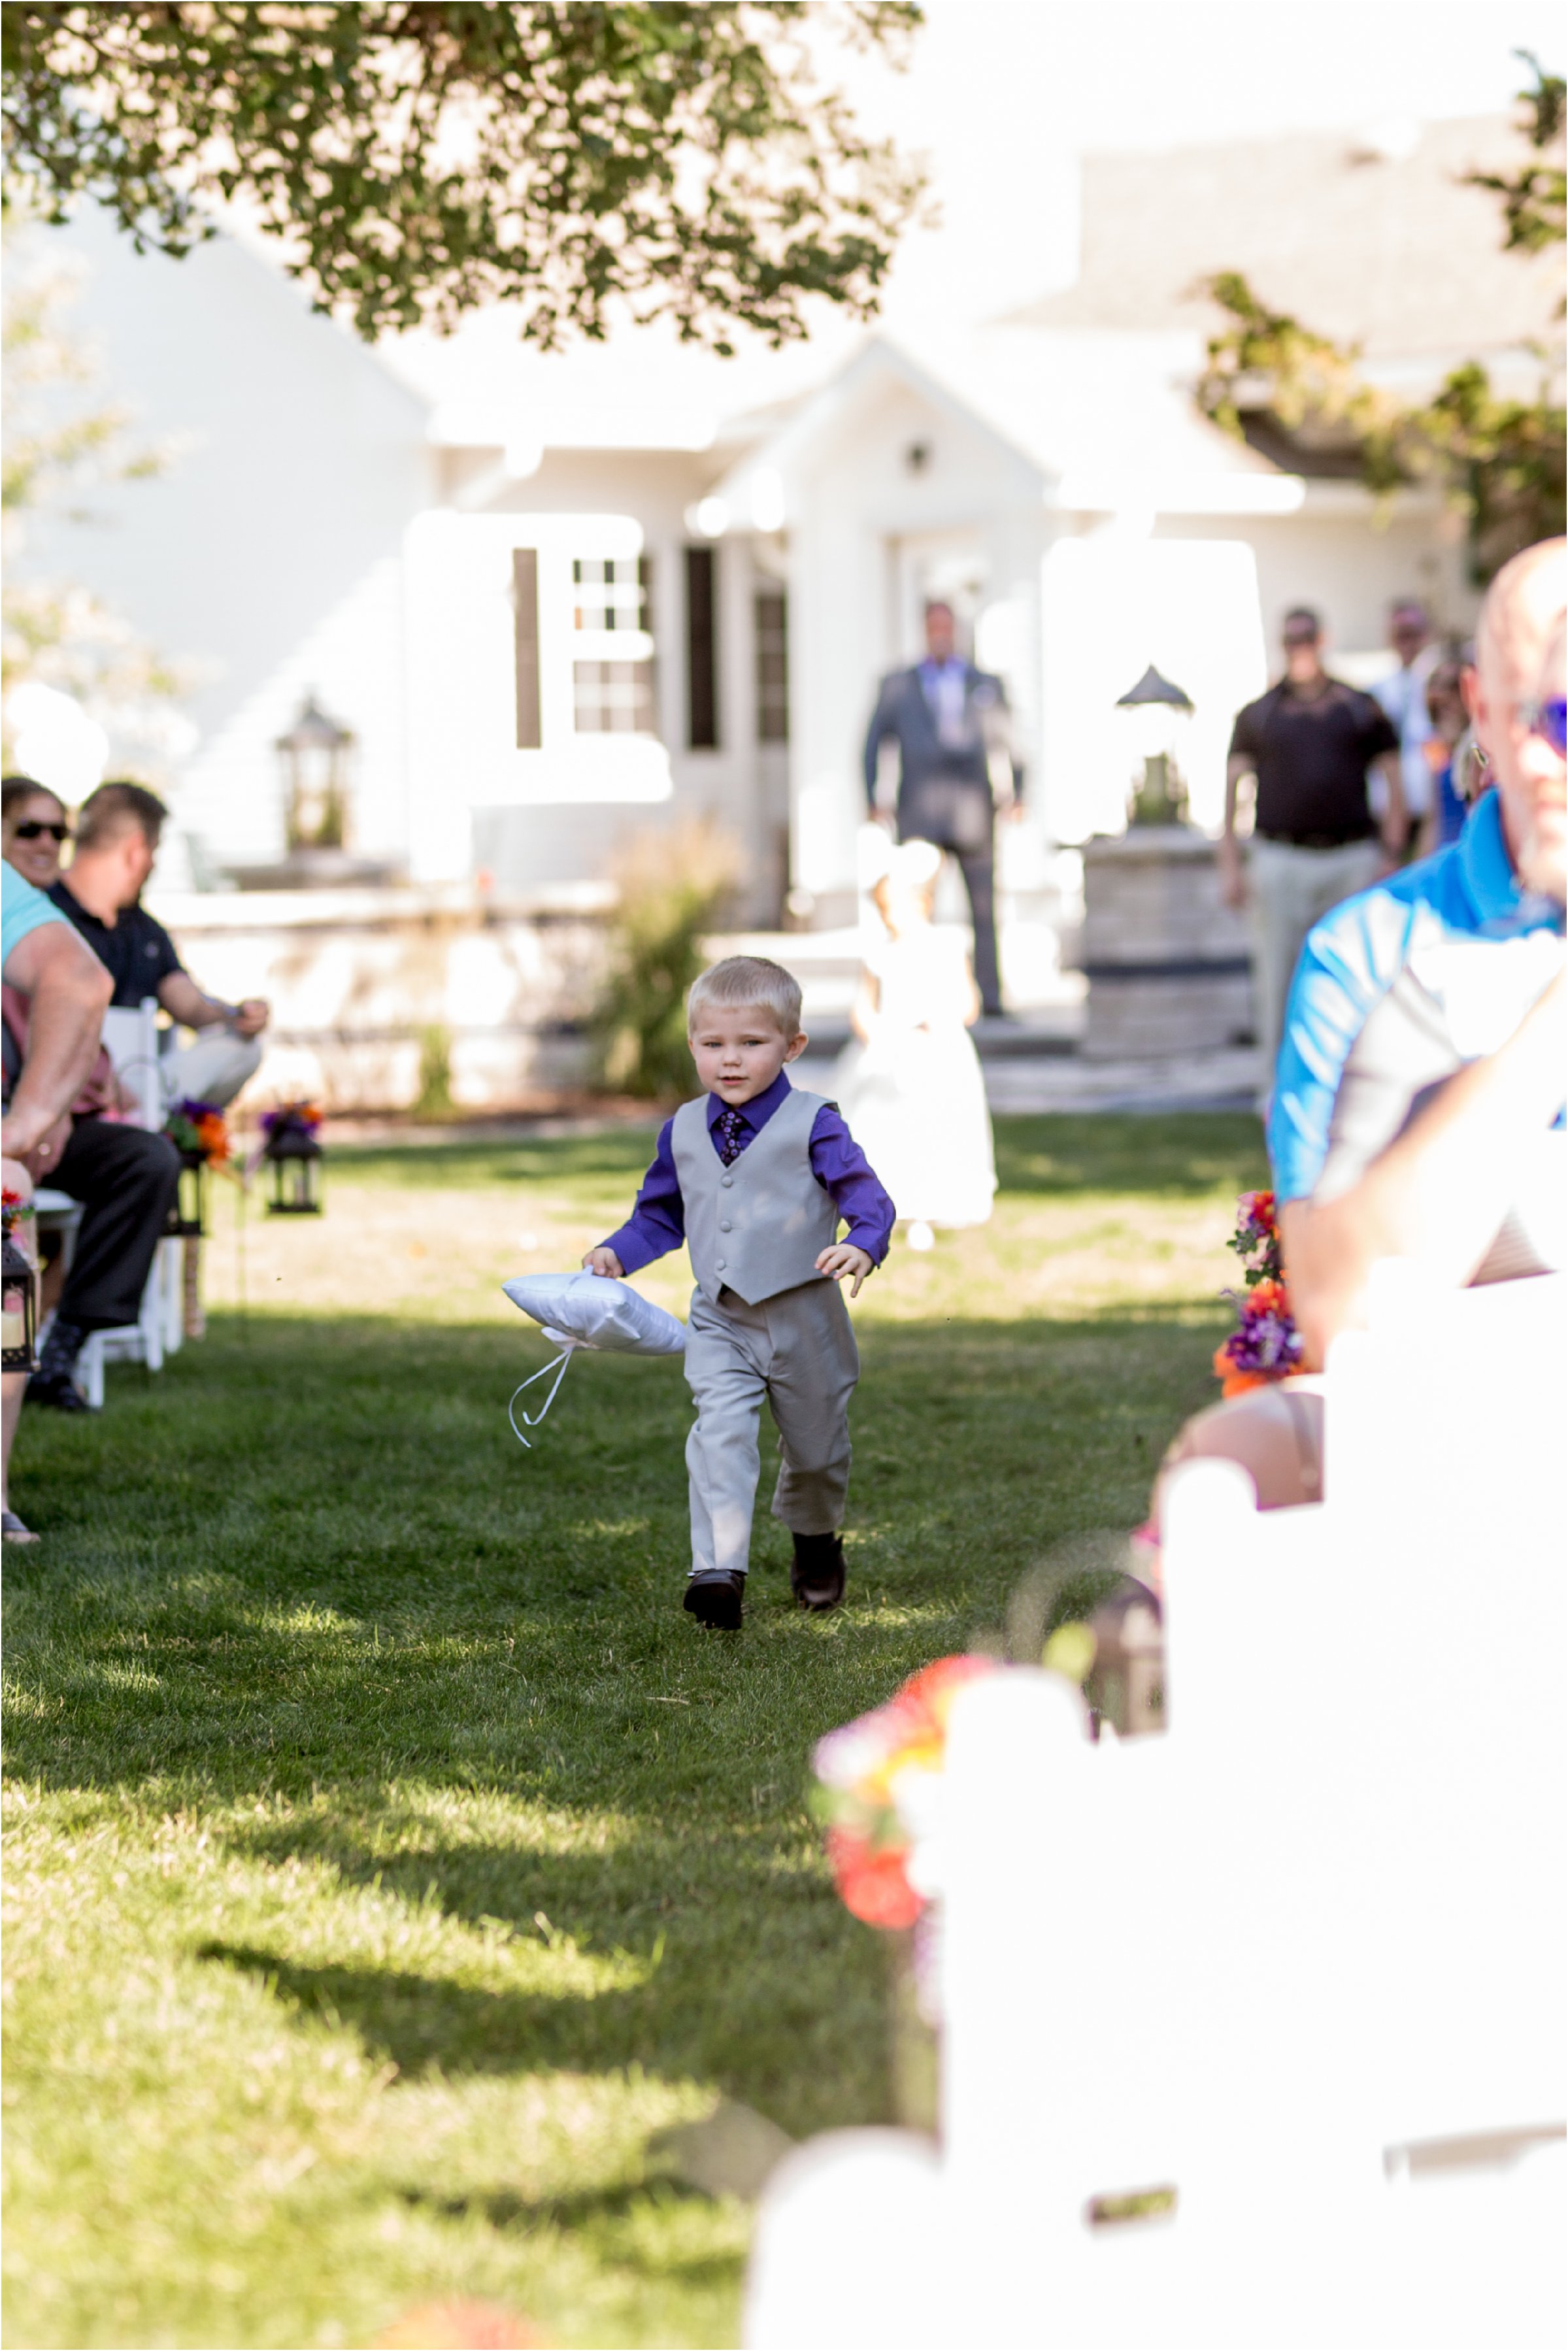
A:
[658, 1222]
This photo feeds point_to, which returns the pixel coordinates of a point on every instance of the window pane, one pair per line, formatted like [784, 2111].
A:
[613, 593]
[610, 591]
[614, 697]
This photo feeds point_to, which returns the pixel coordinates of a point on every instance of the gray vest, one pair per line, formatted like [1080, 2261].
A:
[758, 1225]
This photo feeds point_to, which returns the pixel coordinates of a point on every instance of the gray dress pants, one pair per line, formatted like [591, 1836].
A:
[1291, 890]
[799, 1351]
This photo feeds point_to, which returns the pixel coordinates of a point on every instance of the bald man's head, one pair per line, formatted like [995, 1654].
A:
[1523, 615]
[1523, 605]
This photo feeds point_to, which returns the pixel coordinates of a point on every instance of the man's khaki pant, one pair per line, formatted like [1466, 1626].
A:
[1290, 890]
[799, 1351]
[211, 1070]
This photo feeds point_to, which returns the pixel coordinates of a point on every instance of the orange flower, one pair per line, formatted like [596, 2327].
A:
[214, 1136]
[873, 1883]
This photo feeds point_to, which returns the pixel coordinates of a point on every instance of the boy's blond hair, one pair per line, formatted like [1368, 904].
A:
[740, 981]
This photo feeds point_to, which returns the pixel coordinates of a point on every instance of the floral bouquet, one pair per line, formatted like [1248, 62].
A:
[874, 1780]
[301, 1117]
[198, 1131]
[14, 1210]
[1267, 1346]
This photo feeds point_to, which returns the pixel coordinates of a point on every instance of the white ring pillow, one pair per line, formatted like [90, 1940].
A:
[592, 1311]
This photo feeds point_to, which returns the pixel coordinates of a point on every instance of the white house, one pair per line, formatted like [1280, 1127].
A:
[555, 597]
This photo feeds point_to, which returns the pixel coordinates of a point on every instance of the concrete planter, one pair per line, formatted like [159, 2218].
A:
[1167, 960]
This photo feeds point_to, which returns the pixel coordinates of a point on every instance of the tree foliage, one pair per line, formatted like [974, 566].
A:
[1535, 197]
[1500, 460]
[417, 161]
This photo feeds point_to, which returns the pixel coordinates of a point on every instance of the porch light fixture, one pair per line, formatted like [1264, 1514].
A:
[315, 755]
[1161, 796]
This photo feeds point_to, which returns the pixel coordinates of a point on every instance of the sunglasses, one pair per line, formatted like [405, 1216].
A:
[1549, 719]
[34, 829]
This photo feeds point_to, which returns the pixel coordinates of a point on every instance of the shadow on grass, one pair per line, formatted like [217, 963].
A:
[776, 1999]
[309, 1574]
[425, 2024]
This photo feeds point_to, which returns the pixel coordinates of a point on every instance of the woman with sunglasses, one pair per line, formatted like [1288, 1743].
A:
[34, 829]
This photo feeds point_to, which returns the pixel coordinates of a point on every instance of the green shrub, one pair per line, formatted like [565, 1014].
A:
[672, 885]
[434, 1098]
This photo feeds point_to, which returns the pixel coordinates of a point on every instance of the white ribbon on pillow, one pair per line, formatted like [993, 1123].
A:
[592, 1311]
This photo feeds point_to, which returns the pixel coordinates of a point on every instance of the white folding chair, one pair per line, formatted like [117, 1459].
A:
[130, 1037]
[1298, 1959]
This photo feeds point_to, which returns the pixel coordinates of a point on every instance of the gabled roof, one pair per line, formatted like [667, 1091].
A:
[1368, 237]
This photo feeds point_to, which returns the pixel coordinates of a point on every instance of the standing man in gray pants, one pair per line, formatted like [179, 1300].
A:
[1309, 742]
[949, 719]
[756, 1178]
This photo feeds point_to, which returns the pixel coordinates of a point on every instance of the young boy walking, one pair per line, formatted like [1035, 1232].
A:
[755, 1175]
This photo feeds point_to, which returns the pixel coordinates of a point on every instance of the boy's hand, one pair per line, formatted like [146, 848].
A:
[604, 1260]
[844, 1257]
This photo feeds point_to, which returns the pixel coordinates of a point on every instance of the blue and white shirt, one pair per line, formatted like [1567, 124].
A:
[1397, 989]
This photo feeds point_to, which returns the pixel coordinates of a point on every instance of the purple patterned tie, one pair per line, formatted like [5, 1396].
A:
[729, 1126]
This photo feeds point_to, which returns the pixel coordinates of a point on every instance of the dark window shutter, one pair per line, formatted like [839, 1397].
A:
[702, 649]
[526, 619]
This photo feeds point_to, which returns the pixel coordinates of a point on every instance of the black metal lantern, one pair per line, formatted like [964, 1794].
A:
[1161, 798]
[185, 1215]
[315, 754]
[18, 1310]
[295, 1158]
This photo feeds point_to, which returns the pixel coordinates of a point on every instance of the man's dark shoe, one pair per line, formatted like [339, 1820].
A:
[817, 1571]
[715, 1600]
[57, 1389]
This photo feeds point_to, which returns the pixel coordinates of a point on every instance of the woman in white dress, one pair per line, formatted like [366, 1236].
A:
[912, 1088]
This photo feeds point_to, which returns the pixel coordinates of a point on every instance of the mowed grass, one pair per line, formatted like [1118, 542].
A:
[390, 1862]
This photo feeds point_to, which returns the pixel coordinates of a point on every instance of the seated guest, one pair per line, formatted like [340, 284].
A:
[125, 1178]
[1419, 1098]
[1419, 1104]
[34, 829]
[117, 831]
[66, 990]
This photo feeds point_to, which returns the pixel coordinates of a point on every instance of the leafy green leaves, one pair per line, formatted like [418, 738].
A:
[418, 161]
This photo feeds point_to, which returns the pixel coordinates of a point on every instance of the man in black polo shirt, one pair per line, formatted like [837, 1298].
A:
[116, 844]
[1309, 742]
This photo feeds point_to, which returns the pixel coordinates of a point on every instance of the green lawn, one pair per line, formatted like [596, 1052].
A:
[391, 1862]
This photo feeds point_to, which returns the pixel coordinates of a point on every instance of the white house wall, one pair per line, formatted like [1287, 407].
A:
[259, 558]
[558, 814]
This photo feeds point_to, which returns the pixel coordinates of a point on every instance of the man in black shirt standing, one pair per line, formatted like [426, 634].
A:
[116, 844]
[1309, 743]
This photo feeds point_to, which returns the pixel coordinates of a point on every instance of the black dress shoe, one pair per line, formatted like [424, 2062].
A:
[57, 1389]
[817, 1571]
[715, 1600]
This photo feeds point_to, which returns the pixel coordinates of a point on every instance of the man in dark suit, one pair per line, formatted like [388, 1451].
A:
[947, 718]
